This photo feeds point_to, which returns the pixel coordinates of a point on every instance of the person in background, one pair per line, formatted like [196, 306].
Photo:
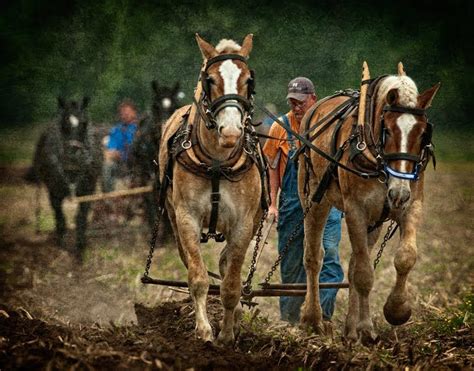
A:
[117, 147]
[288, 211]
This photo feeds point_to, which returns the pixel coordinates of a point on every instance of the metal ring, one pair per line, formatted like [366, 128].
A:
[361, 146]
[186, 144]
[383, 177]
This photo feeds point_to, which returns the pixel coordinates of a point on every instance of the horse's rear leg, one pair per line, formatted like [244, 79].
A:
[85, 187]
[311, 314]
[352, 317]
[189, 236]
[397, 311]
[361, 273]
[57, 205]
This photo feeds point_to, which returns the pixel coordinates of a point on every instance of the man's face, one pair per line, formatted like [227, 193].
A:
[128, 114]
[299, 108]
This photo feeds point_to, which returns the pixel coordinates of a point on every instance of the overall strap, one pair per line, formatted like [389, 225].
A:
[290, 137]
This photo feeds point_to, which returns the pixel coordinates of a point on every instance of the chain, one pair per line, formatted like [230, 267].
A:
[247, 287]
[295, 231]
[387, 236]
[153, 239]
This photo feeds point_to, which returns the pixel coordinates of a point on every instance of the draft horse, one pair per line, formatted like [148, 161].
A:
[391, 161]
[68, 159]
[213, 162]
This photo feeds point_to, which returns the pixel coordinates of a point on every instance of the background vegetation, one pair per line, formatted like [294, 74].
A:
[112, 49]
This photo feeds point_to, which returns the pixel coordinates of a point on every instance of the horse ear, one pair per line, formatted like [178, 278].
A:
[392, 97]
[176, 88]
[154, 86]
[61, 103]
[425, 98]
[207, 50]
[247, 45]
[85, 102]
[401, 70]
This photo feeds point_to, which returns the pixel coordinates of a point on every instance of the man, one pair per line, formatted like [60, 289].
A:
[120, 139]
[289, 213]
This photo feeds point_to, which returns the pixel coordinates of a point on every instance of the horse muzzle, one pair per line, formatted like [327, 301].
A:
[399, 197]
[229, 136]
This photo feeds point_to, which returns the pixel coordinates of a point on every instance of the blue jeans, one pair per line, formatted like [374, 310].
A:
[292, 265]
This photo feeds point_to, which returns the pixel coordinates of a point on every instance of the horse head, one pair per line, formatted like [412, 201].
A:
[227, 87]
[73, 124]
[405, 134]
[166, 100]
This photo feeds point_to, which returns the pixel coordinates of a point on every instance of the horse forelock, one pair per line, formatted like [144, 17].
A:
[226, 46]
[407, 90]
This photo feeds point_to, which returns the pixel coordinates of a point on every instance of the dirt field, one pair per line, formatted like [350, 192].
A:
[55, 314]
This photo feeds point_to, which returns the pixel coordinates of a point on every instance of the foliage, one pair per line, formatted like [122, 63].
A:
[113, 49]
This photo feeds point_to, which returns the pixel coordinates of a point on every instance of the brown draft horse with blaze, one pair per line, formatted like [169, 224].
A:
[214, 129]
[399, 139]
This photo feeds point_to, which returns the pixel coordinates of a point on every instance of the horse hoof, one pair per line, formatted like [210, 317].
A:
[205, 334]
[224, 341]
[368, 337]
[312, 324]
[397, 316]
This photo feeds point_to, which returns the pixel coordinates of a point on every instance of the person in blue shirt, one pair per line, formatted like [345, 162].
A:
[119, 142]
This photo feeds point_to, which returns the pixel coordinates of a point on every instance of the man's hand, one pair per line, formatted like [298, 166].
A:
[272, 211]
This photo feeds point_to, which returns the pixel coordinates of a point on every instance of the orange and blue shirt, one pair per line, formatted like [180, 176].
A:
[277, 151]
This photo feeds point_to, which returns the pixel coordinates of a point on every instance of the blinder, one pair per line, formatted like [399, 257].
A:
[397, 156]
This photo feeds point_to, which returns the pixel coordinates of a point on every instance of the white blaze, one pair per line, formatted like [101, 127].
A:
[405, 122]
[74, 121]
[230, 116]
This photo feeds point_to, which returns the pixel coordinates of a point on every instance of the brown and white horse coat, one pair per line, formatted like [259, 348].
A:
[363, 200]
[189, 197]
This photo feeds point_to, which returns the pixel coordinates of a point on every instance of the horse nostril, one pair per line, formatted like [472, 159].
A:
[404, 195]
[391, 194]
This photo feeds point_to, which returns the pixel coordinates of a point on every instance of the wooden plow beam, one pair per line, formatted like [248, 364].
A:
[287, 289]
[114, 194]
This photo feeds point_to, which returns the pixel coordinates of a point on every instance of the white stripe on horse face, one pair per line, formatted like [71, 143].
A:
[230, 116]
[74, 121]
[230, 74]
[405, 122]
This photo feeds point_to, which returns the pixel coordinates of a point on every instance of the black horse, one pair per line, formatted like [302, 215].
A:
[68, 156]
[145, 147]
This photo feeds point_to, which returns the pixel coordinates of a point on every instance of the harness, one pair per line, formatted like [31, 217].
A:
[184, 147]
[360, 160]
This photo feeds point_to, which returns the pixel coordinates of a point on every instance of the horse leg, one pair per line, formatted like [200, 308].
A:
[397, 311]
[311, 313]
[172, 219]
[361, 273]
[189, 235]
[224, 256]
[350, 331]
[231, 283]
[57, 205]
[84, 187]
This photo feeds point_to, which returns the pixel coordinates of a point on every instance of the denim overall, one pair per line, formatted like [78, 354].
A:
[292, 267]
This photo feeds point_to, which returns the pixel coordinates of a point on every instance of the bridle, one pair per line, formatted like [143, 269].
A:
[209, 108]
[420, 160]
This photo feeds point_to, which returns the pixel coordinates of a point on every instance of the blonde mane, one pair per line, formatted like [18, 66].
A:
[407, 90]
[227, 46]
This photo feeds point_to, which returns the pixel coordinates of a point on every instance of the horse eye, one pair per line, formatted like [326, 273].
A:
[210, 80]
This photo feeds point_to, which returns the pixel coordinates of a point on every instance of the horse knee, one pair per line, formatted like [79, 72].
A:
[404, 260]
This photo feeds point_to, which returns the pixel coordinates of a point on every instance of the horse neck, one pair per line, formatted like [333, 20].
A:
[209, 142]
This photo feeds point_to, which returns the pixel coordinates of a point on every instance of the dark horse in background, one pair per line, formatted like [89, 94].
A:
[68, 160]
[145, 147]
